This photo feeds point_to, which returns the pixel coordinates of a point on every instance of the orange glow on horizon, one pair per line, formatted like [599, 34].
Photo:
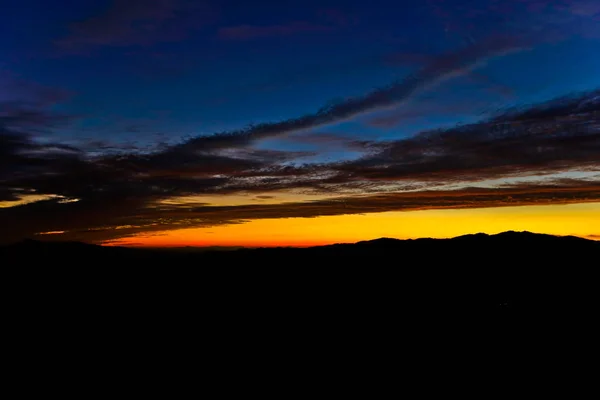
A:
[572, 219]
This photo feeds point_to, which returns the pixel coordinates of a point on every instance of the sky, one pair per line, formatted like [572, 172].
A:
[297, 123]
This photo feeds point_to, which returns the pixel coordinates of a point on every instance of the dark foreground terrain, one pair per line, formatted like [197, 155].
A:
[384, 278]
[366, 305]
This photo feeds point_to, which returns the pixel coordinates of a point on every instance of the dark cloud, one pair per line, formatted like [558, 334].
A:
[589, 8]
[247, 32]
[331, 141]
[422, 109]
[338, 16]
[557, 136]
[440, 68]
[26, 106]
[99, 196]
[136, 22]
[85, 221]
[267, 156]
[405, 58]
[328, 19]
[547, 20]
[420, 59]
[29, 119]
[107, 197]
[16, 90]
[20, 154]
[94, 191]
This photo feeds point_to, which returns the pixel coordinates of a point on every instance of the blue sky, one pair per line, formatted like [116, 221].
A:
[206, 67]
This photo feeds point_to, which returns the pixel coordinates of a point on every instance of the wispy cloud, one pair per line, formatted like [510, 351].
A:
[15, 89]
[555, 136]
[247, 32]
[331, 141]
[588, 8]
[547, 20]
[101, 222]
[440, 68]
[134, 22]
[421, 109]
[26, 107]
[420, 59]
[328, 19]
[121, 195]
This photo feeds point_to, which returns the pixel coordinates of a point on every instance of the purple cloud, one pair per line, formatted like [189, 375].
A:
[16, 90]
[134, 22]
[246, 32]
[443, 67]
[27, 107]
[417, 110]
[586, 8]
[337, 16]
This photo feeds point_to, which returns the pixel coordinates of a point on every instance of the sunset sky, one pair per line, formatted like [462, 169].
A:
[297, 123]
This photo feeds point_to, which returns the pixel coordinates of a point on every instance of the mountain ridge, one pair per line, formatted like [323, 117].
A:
[510, 234]
[377, 278]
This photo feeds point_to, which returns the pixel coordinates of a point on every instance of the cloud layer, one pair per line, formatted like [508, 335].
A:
[135, 22]
[98, 198]
[438, 69]
[246, 32]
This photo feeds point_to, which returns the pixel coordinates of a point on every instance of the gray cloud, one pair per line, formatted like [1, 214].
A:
[331, 141]
[110, 220]
[125, 191]
[26, 106]
[556, 136]
[135, 22]
[440, 68]
[416, 110]
[247, 32]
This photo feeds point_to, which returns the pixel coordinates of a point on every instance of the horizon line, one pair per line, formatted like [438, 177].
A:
[137, 245]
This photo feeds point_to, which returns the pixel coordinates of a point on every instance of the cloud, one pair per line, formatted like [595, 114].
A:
[556, 136]
[440, 68]
[27, 105]
[331, 141]
[338, 16]
[331, 19]
[81, 221]
[561, 19]
[589, 8]
[421, 109]
[124, 194]
[135, 22]
[547, 20]
[26, 113]
[25, 118]
[420, 59]
[16, 90]
[247, 32]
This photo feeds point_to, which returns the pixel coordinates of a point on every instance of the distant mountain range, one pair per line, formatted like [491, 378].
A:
[381, 278]
[526, 241]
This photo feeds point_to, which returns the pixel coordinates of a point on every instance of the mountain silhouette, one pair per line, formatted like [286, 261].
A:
[377, 280]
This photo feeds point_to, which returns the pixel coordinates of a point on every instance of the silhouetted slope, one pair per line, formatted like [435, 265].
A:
[374, 280]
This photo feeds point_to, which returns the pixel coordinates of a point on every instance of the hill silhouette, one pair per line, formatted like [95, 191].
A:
[69, 252]
[496, 273]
